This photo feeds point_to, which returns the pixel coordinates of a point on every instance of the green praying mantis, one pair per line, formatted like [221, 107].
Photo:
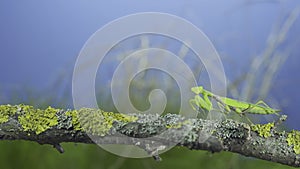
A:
[228, 104]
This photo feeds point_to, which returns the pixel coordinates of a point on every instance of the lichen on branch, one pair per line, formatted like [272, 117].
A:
[54, 126]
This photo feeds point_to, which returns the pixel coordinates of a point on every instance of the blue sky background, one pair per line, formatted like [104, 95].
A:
[40, 40]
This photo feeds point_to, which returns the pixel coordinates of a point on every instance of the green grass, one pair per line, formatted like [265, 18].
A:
[25, 154]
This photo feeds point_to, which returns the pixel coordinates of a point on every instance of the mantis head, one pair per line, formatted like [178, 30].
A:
[197, 90]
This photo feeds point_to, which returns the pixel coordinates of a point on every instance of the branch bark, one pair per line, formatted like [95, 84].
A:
[151, 132]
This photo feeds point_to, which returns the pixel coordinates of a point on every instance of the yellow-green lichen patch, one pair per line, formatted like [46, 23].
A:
[75, 120]
[177, 124]
[293, 138]
[6, 111]
[37, 120]
[98, 122]
[263, 130]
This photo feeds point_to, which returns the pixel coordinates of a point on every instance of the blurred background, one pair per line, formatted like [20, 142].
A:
[257, 41]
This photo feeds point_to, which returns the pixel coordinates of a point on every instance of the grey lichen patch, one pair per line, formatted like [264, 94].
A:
[180, 129]
[174, 121]
[204, 135]
[65, 120]
[196, 132]
[171, 126]
[148, 118]
[232, 130]
[75, 121]
[146, 125]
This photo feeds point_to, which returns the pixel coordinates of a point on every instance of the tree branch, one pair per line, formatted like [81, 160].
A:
[149, 132]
